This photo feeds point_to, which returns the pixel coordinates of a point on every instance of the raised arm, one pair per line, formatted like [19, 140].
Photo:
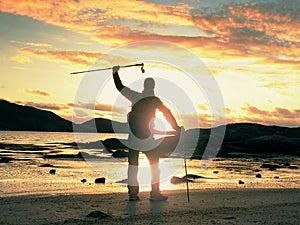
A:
[131, 95]
[117, 79]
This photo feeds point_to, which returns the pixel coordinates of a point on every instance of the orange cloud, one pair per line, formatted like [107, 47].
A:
[20, 58]
[77, 57]
[250, 40]
[262, 28]
[98, 107]
[32, 44]
[255, 111]
[80, 114]
[37, 92]
[89, 16]
[277, 116]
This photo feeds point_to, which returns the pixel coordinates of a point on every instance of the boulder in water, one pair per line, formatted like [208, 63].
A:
[100, 180]
[97, 215]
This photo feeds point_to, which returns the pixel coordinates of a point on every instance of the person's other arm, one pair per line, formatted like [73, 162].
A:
[169, 117]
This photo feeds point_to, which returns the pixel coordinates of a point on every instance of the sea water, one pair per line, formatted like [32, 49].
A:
[26, 174]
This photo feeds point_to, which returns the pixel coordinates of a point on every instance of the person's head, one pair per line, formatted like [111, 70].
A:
[149, 85]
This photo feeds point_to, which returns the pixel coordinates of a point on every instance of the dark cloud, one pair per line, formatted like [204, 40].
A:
[268, 24]
[286, 113]
[41, 105]
[37, 92]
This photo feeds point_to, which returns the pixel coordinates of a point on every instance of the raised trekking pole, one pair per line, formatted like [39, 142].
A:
[187, 180]
[87, 71]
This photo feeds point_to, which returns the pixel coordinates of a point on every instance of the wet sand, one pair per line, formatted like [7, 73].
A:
[210, 206]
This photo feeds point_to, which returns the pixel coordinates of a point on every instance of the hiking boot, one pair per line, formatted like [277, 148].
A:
[134, 198]
[157, 196]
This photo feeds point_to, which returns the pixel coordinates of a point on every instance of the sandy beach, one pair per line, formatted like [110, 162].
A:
[29, 194]
[216, 206]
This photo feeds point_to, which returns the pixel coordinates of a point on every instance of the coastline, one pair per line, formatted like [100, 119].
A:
[211, 206]
[33, 177]
[30, 194]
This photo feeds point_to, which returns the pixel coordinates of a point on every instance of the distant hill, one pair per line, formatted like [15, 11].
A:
[240, 138]
[249, 138]
[25, 118]
[101, 125]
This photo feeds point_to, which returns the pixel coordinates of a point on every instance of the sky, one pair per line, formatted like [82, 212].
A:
[250, 50]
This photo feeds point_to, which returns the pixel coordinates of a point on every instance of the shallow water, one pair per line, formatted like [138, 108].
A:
[29, 145]
[25, 176]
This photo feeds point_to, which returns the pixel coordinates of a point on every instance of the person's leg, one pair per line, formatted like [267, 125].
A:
[166, 147]
[132, 173]
[155, 173]
[155, 194]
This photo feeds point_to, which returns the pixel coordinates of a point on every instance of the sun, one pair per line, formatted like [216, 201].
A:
[161, 123]
[168, 168]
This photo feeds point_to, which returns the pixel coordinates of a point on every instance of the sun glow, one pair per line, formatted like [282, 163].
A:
[178, 97]
[168, 169]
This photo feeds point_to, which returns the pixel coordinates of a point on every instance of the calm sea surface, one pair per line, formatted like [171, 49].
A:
[25, 174]
[23, 144]
[29, 137]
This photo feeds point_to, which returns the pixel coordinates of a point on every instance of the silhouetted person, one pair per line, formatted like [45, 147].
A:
[141, 122]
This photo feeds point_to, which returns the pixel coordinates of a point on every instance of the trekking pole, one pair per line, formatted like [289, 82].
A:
[87, 71]
[187, 180]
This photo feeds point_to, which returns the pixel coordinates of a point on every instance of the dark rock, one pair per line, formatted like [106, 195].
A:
[178, 180]
[229, 218]
[114, 143]
[270, 166]
[98, 215]
[65, 156]
[192, 176]
[215, 171]
[83, 180]
[120, 154]
[46, 165]
[293, 167]
[53, 171]
[31, 147]
[186, 178]
[257, 170]
[258, 175]
[241, 182]
[124, 181]
[100, 180]
[276, 177]
[247, 139]
[5, 160]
